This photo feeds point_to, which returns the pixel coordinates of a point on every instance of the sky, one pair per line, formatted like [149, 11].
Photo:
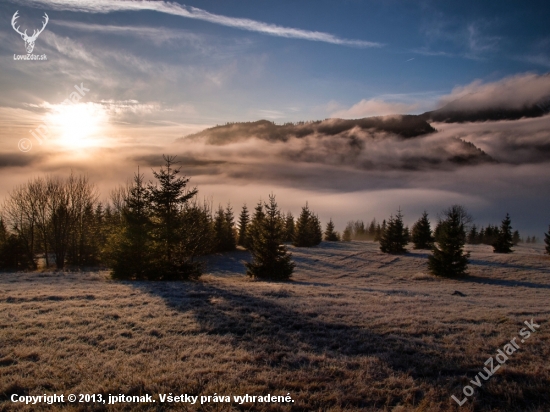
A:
[152, 72]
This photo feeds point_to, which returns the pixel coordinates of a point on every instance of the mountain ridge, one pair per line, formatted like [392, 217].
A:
[370, 143]
[405, 126]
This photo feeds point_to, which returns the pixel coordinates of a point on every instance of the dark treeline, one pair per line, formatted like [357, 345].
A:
[488, 235]
[423, 237]
[147, 231]
[159, 230]
[357, 230]
[452, 231]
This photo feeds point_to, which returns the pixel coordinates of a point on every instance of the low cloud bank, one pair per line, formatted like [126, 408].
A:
[347, 169]
[515, 92]
[376, 107]
[516, 142]
[353, 174]
[391, 143]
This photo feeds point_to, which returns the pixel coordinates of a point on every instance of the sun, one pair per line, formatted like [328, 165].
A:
[78, 125]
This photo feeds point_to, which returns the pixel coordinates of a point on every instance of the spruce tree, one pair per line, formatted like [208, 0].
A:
[168, 198]
[378, 232]
[438, 230]
[244, 219]
[394, 238]
[481, 236]
[516, 238]
[198, 237]
[131, 247]
[255, 223]
[448, 258]
[387, 235]
[301, 235]
[220, 231]
[316, 230]
[547, 241]
[84, 239]
[491, 235]
[231, 240]
[289, 227]
[308, 230]
[382, 229]
[422, 237]
[473, 236]
[271, 259]
[224, 230]
[359, 230]
[371, 231]
[504, 240]
[330, 234]
[346, 234]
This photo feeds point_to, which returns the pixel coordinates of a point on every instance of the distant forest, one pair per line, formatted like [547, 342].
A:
[159, 230]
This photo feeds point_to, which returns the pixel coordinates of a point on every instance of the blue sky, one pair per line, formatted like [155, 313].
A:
[157, 71]
[420, 50]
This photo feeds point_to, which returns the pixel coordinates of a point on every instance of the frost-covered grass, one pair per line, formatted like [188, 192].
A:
[354, 330]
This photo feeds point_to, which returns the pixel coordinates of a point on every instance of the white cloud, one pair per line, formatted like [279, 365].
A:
[375, 107]
[511, 92]
[515, 142]
[480, 43]
[424, 51]
[107, 6]
[154, 34]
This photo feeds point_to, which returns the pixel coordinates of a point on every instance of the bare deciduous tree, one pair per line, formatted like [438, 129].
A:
[49, 214]
[20, 212]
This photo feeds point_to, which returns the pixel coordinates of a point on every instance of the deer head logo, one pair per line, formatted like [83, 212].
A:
[29, 40]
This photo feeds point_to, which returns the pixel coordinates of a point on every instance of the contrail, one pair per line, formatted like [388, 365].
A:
[105, 6]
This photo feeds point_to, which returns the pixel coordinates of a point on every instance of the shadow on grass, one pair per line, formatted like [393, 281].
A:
[401, 292]
[479, 262]
[415, 253]
[223, 264]
[278, 336]
[277, 331]
[503, 282]
[493, 281]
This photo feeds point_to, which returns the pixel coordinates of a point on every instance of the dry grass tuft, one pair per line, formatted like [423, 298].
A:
[423, 276]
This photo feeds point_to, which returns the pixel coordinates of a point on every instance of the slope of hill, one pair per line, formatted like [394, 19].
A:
[374, 143]
[404, 126]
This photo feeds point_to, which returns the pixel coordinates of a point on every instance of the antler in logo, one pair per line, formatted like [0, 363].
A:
[29, 40]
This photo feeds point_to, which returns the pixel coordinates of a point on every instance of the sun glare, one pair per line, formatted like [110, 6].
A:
[78, 125]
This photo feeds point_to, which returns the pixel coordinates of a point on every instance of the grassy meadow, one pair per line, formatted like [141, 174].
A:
[354, 330]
